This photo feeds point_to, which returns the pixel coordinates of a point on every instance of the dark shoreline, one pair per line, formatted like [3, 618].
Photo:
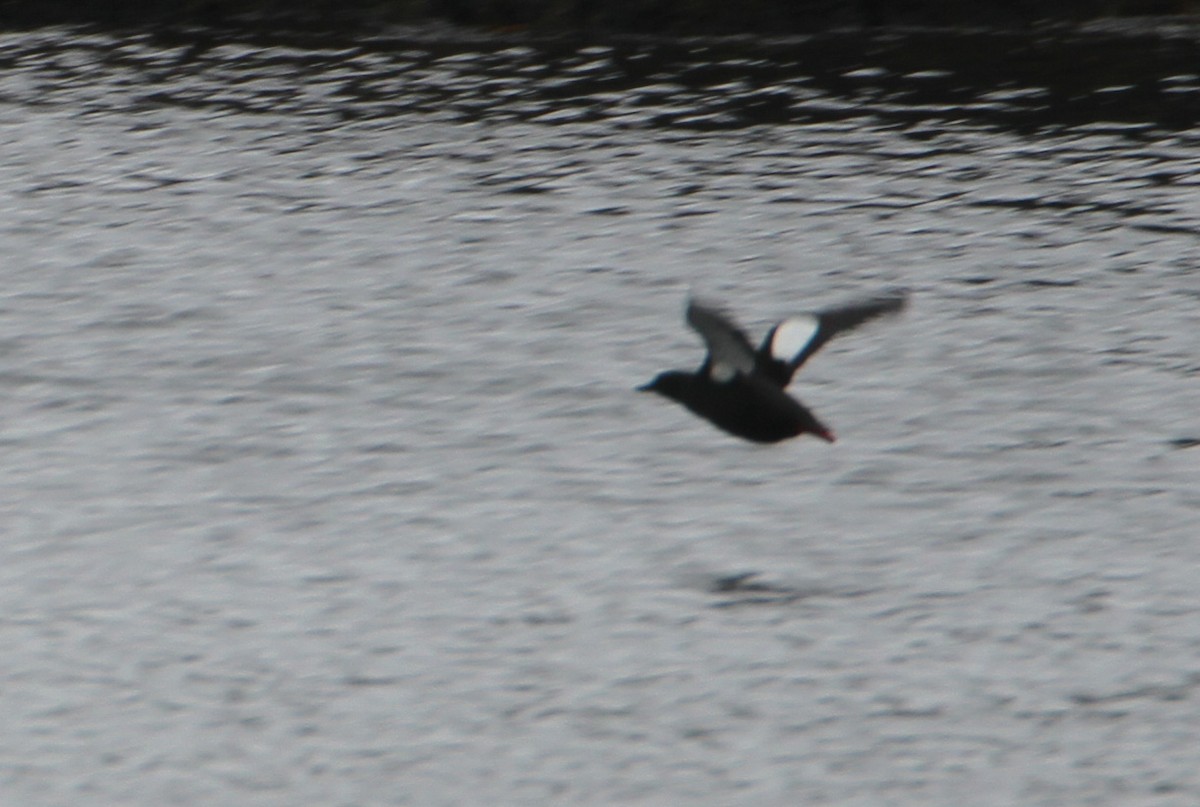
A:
[588, 17]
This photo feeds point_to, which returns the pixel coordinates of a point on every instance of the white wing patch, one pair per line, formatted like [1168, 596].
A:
[792, 336]
[721, 372]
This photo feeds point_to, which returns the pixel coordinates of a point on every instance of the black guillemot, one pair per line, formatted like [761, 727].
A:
[741, 390]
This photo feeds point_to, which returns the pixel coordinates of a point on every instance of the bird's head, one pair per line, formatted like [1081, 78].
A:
[669, 384]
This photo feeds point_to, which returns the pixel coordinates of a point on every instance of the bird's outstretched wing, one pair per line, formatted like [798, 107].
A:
[790, 343]
[729, 351]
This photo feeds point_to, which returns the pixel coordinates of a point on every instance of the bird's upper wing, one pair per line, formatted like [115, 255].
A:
[791, 342]
[729, 351]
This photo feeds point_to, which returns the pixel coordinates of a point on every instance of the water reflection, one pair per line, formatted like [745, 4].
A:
[1022, 81]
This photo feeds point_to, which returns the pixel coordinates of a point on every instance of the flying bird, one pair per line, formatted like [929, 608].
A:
[742, 390]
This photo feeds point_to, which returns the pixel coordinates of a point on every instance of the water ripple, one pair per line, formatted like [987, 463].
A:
[995, 79]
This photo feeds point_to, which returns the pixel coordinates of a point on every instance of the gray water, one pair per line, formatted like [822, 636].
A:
[324, 481]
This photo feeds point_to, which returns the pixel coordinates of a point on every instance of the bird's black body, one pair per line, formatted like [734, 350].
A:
[746, 406]
[741, 390]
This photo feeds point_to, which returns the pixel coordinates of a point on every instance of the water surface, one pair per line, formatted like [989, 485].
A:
[325, 482]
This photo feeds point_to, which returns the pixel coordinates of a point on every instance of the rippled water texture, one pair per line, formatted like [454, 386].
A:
[324, 481]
